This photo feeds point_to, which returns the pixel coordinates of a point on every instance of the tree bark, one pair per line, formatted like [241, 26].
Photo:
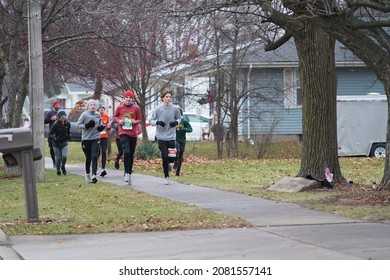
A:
[233, 98]
[372, 52]
[319, 86]
[385, 182]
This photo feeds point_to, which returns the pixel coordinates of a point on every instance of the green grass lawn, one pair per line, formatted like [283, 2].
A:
[72, 206]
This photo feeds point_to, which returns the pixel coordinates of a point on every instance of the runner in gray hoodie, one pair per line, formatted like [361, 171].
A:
[91, 124]
[166, 117]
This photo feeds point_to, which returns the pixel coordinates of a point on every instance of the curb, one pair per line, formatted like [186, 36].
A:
[3, 237]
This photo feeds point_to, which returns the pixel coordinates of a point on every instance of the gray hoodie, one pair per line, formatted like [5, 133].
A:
[166, 114]
[91, 133]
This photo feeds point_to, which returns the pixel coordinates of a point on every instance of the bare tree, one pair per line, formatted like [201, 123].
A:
[318, 82]
[62, 22]
[319, 149]
[14, 63]
[150, 42]
[363, 27]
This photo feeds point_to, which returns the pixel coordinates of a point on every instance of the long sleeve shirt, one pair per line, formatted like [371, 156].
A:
[60, 133]
[91, 133]
[182, 129]
[132, 112]
[166, 114]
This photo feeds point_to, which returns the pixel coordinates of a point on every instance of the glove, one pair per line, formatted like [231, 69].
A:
[101, 128]
[173, 124]
[160, 123]
[89, 124]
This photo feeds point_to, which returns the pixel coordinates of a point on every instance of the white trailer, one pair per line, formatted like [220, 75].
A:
[362, 125]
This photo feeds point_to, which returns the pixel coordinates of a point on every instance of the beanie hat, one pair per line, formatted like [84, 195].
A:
[60, 114]
[57, 102]
[90, 101]
[102, 104]
[128, 93]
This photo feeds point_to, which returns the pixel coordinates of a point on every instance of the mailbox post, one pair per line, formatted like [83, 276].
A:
[16, 144]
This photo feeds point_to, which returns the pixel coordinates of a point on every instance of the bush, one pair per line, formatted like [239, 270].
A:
[147, 150]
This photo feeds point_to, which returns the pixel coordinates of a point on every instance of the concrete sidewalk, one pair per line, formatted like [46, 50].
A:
[281, 231]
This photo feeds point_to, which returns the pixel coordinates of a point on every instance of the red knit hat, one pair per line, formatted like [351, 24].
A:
[128, 93]
[56, 102]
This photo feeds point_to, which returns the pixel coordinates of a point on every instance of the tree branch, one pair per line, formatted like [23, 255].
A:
[377, 5]
[68, 40]
[276, 44]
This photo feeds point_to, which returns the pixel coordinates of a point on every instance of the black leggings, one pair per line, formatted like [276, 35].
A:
[91, 152]
[180, 155]
[163, 146]
[119, 147]
[51, 149]
[103, 151]
[128, 145]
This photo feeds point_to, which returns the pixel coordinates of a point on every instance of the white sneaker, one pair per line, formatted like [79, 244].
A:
[88, 178]
[170, 167]
[126, 178]
[94, 179]
[167, 180]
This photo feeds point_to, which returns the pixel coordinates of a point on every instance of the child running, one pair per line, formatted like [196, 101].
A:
[91, 124]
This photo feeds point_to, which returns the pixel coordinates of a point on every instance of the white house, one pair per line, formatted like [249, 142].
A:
[71, 93]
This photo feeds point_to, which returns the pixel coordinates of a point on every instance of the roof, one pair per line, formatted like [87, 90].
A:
[256, 56]
[75, 87]
[287, 55]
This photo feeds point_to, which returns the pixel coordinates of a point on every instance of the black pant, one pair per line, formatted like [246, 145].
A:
[91, 152]
[180, 156]
[119, 147]
[163, 146]
[128, 144]
[103, 151]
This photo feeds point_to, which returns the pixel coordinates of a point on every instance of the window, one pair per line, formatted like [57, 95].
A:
[292, 90]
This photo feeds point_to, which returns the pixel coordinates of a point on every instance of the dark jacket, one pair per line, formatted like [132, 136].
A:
[181, 131]
[60, 133]
[47, 119]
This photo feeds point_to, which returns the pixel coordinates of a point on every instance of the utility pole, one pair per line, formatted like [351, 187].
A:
[36, 83]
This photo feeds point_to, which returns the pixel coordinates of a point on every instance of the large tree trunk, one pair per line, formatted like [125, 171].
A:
[374, 55]
[385, 182]
[319, 87]
[233, 106]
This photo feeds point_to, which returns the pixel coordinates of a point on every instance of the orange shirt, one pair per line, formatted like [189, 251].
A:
[105, 121]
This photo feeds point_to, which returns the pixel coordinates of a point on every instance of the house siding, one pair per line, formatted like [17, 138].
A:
[265, 106]
[269, 82]
[357, 81]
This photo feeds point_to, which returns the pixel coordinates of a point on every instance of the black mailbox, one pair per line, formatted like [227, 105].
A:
[16, 144]
[15, 139]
